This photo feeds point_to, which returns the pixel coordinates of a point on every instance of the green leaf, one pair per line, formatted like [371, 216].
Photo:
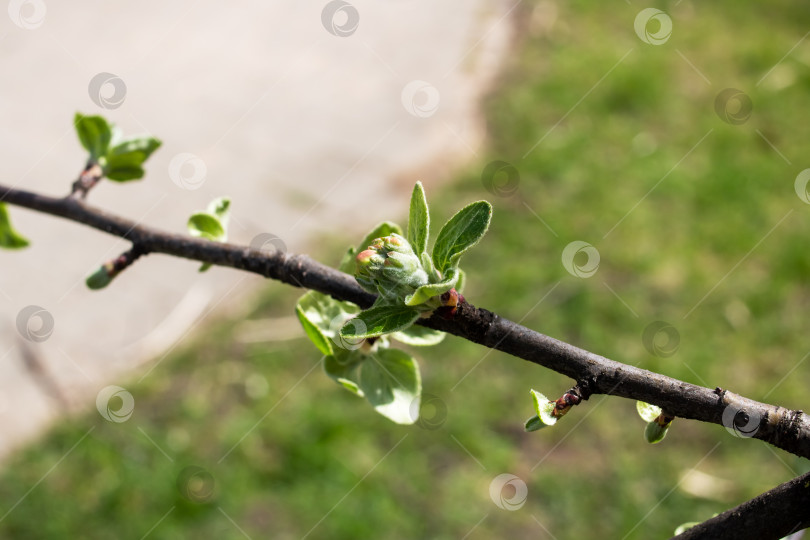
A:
[143, 145]
[391, 382]
[379, 320]
[94, 134]
[124, 173]
[98, 279]
[322, 316]
[655, 433]
[683, 527]
[426, 292]
[204, 225]
[418, 220]
[9, 238]
[648, 412]
[544, 409]
[427, 263]
[221, 208]
[460, 233]
[462, 280]
[385, 228]
[419, 336]
[347, 374]
[533, 424]
[347, 264]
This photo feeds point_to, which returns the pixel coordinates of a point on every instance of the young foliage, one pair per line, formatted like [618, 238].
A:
[120, 159]
[211, 224]
[462, 232]
[408, 279]
[544, 413]
[9, 237]
[657, 422]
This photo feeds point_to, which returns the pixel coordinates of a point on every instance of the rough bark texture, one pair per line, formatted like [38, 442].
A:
[775, 514]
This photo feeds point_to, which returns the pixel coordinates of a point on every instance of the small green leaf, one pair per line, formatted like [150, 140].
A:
[347, 264]
[386, 228]
[683, 527]
[124, 173]
[647, 412]
[347, 374]
[9, 238]
[460, 233]
[322, 316]
[462, 280]
[655, 433]
[426, 292]
[391, 382]
[419, 336]
[221, 208]
[143, 145]
[98, 279]
[379, 320]
[94, 134]
[204, 225]
[427, 264]
[418, 220]
[533, 424]
[544, 409]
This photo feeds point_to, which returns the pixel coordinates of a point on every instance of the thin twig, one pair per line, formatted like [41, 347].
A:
[783, 428]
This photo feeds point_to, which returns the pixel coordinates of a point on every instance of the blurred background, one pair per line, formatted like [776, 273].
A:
[667, 139]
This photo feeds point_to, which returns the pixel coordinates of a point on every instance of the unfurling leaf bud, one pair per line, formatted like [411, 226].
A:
[390, 267]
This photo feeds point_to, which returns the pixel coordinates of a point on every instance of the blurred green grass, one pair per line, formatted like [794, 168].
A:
[717, 225]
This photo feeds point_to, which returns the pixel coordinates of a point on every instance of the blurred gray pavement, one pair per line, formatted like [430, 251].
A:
[311, 115]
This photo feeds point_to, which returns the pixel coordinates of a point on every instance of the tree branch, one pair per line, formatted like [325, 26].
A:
[594, 374]
[775, 514]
